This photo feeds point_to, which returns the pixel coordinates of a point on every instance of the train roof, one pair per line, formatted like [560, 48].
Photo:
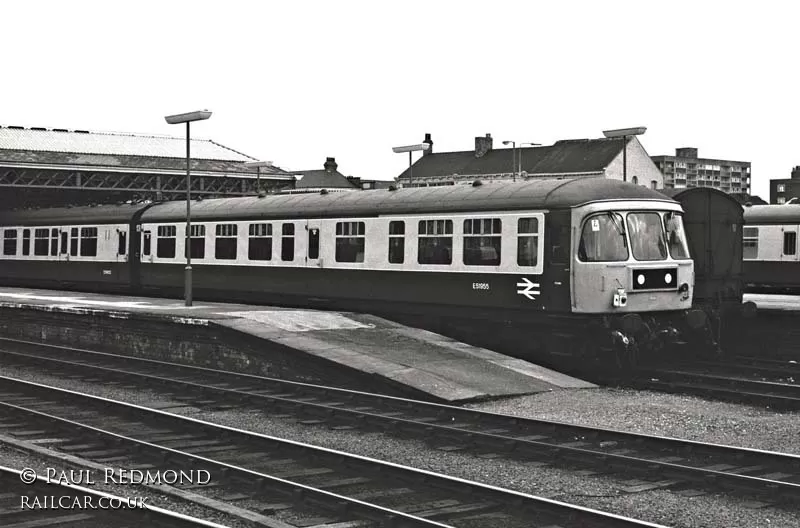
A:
[100, 214]
[536, 194]
[772, 214]
[531, 194]
[679, 194]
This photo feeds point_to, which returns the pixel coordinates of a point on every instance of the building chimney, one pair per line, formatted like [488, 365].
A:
[330, 165]
[429, 141]
[483, 145]
[796, 173]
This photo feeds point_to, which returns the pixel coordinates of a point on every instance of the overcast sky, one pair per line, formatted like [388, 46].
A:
[294, 82]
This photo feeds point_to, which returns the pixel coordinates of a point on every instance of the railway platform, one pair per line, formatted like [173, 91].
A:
[409, 359]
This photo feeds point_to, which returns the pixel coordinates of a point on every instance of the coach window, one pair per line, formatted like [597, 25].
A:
[9, 242]
[603, 239]
[73, 242]
[64, 242]
[528, 241]
[41, 242]
[350, 241]
[122, 242]
[397, 242]
[482, 241]
[313, 242]
[147, 238]
[790, 243]
[287, 242]
[26, 241]
[197, 241]
[165, 243]
[225, 243]
[435, 242]
[54, 242]
[88, 241]
[260, 242]
[750, 243]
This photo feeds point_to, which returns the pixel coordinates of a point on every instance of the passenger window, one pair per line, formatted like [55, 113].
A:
[350, 241]
[482, 241]
[122, 244]
[790, 243]
[527, 241]
[750, 243]
[10, 242]
[165, 243]
[435, 244]
[225, 243]
[88, 241]
[260, 242]
[64, 242]
[41, 242]
[397, 242]
[313, 243]
[146, 243]
[197, 241]
[287, 242]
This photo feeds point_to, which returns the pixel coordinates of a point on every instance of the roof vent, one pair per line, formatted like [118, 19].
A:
[15, 127]
[393, 187]
[477, 183]
[324, 191]
[60, 130]
[81, 131]
[39, 128]
[261, 194]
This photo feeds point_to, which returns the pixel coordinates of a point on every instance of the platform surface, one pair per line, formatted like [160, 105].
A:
[425, 361]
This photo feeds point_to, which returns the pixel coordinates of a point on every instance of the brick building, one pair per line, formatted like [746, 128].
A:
[592, 158]
[782, 191]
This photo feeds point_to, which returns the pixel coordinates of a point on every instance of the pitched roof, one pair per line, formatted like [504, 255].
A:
[563, 157]
[40, 146]
[318, 179]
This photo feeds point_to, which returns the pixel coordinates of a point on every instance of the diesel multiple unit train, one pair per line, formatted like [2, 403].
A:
[771, 257]
[604, 262]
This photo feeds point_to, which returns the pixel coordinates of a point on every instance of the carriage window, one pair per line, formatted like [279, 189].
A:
[165, 243]
[647, 236]
[313, 243]
[527, 241]
[750, 243]
[482, 241]
[64, 240]
[54, 242]
[9, 242]
[603, 239]
[435, 242]
[225, 243]
[676, 236]
[122, 244]
[88, 241]
[790, 243]
[26, 241]
[287, 242]
[350, 241]
[41, 242]
[197, 241]
[397, 242]
[260, 243]
[147, 240]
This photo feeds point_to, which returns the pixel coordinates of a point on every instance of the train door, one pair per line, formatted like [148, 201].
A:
[789, 243]
[313, 243]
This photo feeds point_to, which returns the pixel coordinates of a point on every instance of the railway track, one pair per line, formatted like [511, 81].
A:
[275, 473]
[658, 461]
[757, 381]
[39, 502]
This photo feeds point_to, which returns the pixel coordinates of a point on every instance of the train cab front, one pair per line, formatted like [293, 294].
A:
[632, 267]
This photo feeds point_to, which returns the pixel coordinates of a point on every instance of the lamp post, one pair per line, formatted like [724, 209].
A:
[177, 119]
[410, 149]
[257, 165]
[520, 154]
[513, 159]
[624, 133]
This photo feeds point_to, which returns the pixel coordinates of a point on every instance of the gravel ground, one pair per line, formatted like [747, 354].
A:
[654, 413]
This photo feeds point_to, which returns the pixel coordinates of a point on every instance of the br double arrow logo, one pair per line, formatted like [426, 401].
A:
[527, 288]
